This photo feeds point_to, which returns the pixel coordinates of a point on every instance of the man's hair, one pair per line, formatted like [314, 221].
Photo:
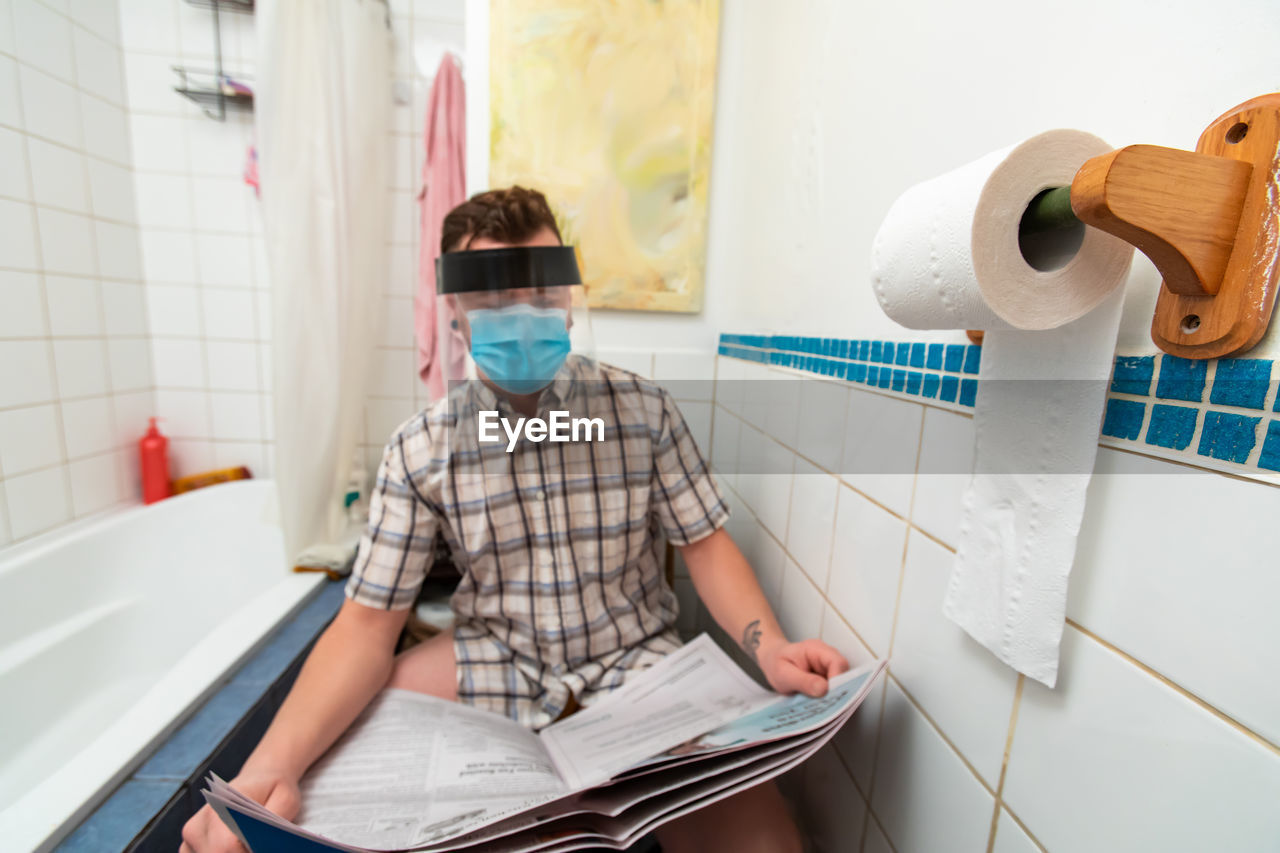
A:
[509, 215]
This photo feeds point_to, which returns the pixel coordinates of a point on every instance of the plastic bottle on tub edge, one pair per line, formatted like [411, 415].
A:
[153, 457]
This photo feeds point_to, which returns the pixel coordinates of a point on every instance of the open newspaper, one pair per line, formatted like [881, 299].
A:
[419, 773]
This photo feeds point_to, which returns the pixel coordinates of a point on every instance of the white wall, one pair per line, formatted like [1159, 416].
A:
[1163, 732]
[202, 236]
[75, 373]
[827, 111]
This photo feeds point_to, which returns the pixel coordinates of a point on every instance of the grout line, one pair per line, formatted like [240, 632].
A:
[1004, 762]
[1222, 716]
[937, 728]
[1030, 835]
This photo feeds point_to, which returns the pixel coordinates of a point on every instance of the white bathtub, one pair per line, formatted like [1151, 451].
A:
[112, 629]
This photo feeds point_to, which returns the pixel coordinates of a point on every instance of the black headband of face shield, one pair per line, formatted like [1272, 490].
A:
[503, 269]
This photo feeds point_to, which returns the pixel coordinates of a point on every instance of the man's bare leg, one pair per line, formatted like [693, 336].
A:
[753, 821]
[428, 667]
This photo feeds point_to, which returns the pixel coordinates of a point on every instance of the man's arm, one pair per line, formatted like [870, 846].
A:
[727, 585]
[350, 663]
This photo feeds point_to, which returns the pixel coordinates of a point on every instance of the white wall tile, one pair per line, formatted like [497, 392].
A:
[697, 418]
[37, 501]
[866, 563]
[967, 692]
[149, 25]
[106, 130]
[74, 308]
[10, 101]
[875, 841]
[82, 371]
[1142, 766]
[95, 484]
[17, 235]
[130, 365]
[217, 149]
[5, 536]
[49, 107]
[946, 462]
[98, 67]
[233, 366]
[163, 201]
[131, 411]
[233, 454]
[13, 177]
[764, 479]
[222, 204]
[168, 256]
[111, 191]
[88, 426]
[23, 299]
[160, 142]
[58, 176]
[800, 610]
[99, 16]
[1169, 568]
[66, 242]
[42, 38]
[823, 407]
[118, 251]
[224, 260]
[185, 413]
[383, 417]
[149, 80]
[178, 363]
[236, 416]
[29, 439]
[190, 456]
[392, 373]
[26, 375]
[6, 31]
[761, 550]
[1011, 839]
[832, 808]
[687, 375]
[925, 797]
[228, 314]
[639, 362]
[173, 310]
[856, 740]
[812, 518]
[881, 441]
[124, 308]
[726, 433]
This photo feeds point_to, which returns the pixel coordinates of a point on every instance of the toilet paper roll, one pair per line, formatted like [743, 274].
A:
[948, 256]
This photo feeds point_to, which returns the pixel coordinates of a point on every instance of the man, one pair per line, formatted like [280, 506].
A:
[562, 595]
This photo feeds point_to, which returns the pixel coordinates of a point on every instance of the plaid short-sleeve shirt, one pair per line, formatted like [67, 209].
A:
[562, 590]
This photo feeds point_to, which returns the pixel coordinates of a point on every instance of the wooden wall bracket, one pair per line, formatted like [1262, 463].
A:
[1208, 220]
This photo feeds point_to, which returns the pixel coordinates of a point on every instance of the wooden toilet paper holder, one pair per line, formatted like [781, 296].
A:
[1210, 222]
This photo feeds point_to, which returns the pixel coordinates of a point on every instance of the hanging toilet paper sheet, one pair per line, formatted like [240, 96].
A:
[947, 256]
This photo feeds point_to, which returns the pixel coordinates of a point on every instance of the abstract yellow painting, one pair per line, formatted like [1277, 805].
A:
[606, 106]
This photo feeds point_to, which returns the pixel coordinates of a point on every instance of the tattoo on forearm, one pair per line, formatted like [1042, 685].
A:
[751, 639]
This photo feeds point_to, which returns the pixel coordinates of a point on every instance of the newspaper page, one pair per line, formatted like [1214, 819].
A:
[690, 692]
[414, 769]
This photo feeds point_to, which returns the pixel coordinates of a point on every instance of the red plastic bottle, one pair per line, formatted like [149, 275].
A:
[153, 453]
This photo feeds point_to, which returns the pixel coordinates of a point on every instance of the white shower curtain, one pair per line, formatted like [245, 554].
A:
[322, 109]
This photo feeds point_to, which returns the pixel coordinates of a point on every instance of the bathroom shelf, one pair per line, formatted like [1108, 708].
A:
[211, 97]
[229, 5]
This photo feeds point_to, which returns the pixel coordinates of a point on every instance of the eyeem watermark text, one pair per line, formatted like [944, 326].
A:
[560, 427]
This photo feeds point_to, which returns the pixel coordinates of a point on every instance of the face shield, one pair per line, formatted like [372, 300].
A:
[521, 312]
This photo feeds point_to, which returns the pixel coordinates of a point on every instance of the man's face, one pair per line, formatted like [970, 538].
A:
[540, 297]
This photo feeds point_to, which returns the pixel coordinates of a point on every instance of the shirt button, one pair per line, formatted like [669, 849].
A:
[540, 495]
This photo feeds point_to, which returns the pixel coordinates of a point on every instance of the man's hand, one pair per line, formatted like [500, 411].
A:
[802, 667]
[206, 833]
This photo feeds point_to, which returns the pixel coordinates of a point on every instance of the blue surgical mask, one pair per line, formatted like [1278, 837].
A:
[519, 347]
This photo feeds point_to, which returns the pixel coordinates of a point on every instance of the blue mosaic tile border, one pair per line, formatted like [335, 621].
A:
[1222, 411]
[944, 372]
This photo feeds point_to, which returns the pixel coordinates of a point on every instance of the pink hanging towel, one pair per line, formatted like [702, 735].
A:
[443, 188]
